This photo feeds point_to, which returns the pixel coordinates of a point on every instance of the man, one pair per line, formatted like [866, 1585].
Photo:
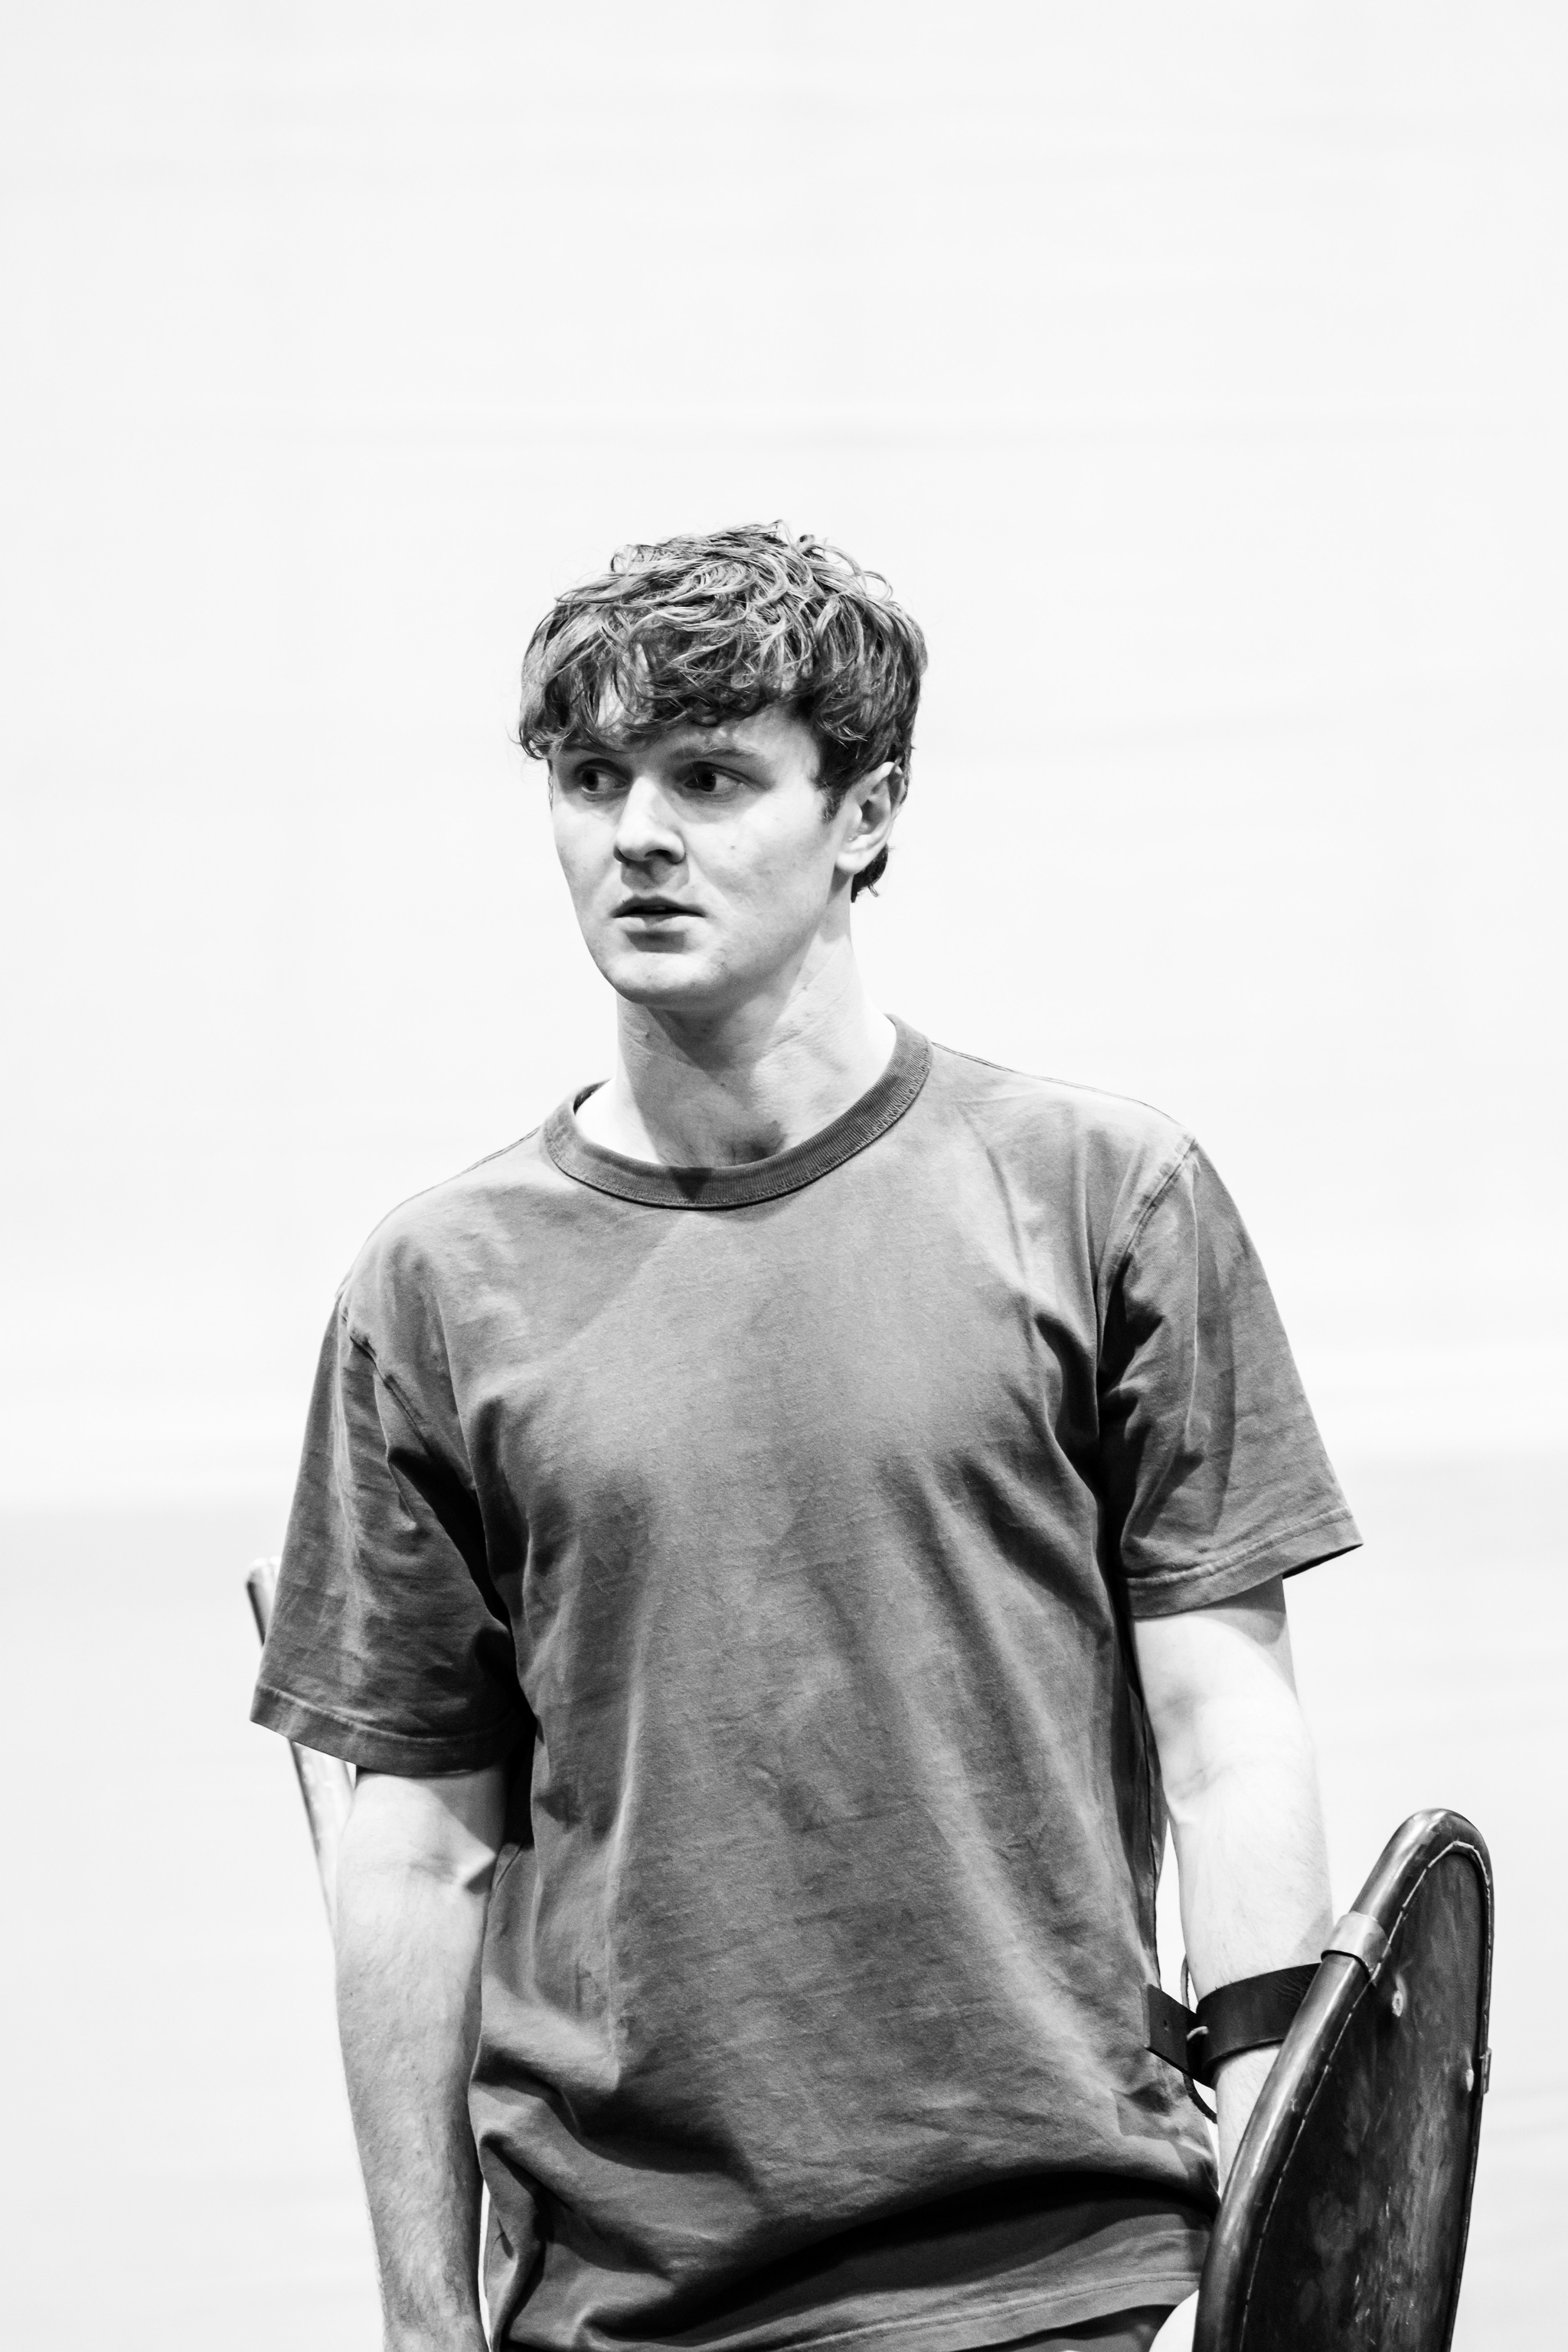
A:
[775, 1542]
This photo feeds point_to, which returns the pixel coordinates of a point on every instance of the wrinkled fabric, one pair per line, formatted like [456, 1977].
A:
[780, 1529]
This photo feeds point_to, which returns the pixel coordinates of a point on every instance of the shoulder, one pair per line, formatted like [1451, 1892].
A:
[430, 1253]
[1114, 1152]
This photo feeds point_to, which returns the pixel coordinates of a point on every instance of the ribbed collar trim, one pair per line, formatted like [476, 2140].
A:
[879, 1108]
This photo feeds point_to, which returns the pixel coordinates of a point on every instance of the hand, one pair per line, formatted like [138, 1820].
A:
[1176, 2334]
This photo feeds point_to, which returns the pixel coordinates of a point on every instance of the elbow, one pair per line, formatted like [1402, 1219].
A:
[1214, 1751]
[440, 1833]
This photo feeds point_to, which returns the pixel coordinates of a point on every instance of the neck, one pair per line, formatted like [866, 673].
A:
[722, 1090]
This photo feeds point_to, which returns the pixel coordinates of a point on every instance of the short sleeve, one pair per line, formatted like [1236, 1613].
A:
[388, 1645]
[1212, 1473]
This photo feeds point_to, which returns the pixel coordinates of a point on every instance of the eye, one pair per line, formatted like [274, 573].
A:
[593, 779]
[708, 781]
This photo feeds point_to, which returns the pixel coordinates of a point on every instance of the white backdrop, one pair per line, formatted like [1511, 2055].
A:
[1197, 374]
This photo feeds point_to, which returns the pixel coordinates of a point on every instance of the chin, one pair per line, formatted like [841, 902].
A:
[667, 983]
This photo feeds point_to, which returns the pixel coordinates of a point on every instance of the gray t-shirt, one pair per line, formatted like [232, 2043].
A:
[781, 1527]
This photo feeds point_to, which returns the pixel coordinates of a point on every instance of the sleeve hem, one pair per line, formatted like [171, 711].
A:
[1168, 1592]
[414, 1755]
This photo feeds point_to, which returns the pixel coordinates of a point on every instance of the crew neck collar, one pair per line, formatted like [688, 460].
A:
[657, 1187]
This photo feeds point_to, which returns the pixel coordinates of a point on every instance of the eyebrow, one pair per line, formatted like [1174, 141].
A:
[695, 740]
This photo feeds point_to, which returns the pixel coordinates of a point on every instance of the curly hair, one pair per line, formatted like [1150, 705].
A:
[719, 627]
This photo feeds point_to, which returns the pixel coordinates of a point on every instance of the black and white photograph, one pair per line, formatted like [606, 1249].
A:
[785, 1406]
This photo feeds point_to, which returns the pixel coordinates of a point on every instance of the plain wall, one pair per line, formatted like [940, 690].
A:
[1196, 374]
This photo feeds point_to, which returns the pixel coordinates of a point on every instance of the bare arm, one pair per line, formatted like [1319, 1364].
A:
[412, 1884]
[1241, 1783]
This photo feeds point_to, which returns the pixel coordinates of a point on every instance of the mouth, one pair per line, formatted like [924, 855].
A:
[650, 910]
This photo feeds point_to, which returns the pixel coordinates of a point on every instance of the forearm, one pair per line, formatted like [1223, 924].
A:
[1253, 1889]
[410, 1930]
[1242, 1787]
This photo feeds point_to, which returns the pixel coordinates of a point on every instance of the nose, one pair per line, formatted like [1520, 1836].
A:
[646, 834]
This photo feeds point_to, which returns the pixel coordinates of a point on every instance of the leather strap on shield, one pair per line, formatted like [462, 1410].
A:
[1251, 2014]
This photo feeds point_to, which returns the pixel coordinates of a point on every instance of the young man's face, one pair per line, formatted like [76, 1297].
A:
[702, 862]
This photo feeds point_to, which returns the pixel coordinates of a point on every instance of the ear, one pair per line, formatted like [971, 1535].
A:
[871, 805]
